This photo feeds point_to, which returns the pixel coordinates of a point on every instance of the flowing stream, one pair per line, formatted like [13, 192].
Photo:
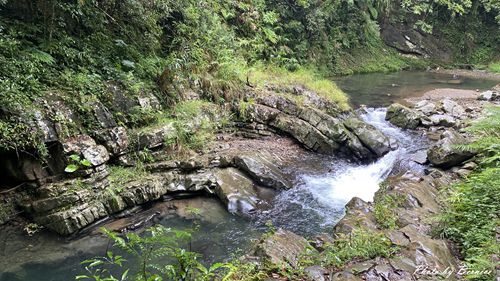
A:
[323, 185]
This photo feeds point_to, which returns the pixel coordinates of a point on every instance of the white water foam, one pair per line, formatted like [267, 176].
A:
[322, 198]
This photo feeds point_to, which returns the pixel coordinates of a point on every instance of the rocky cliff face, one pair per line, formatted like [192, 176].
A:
[309, 119]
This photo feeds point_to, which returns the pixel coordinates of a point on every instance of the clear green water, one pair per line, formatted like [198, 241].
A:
[382, 89]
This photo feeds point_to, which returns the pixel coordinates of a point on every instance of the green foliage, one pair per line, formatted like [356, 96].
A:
[494, 67]
[360, 244]
[158, 255]
[76, 163]
[119, 176]
[195, 123]
[385, 210]
[472, 213]
[487, 137]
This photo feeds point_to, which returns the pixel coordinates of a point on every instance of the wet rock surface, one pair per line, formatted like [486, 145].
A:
[317, 128]
[402, 116]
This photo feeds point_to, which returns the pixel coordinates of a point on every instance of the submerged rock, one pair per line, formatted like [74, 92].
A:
[402, 116]
[444, 153]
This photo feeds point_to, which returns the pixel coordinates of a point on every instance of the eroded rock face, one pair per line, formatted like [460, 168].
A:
[264, 169]
[402, 116]
[236, 191]
[445, 154]
[316, 128]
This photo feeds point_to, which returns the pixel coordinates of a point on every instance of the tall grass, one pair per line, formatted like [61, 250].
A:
[309, 78]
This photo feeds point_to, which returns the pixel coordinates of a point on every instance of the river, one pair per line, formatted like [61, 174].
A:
[322, 187]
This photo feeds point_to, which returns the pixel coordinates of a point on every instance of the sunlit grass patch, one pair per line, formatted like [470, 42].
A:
[308, 78]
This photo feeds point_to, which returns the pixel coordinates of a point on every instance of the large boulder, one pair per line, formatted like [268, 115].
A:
[453, 108]
[236, 191]
[315, 127]
[264, 169]
[426, 107]
[282, 248]
[372, 138]
[445, 154]
[489, 96]
[402, 116]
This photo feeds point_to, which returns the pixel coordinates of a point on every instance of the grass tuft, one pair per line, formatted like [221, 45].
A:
[306, 77]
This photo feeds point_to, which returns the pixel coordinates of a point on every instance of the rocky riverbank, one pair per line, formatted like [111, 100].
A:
[119, 168]
[403, 212]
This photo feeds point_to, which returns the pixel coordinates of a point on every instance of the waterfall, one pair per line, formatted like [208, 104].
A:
[323, 197]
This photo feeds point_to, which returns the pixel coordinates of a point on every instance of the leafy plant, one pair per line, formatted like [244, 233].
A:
[77, 163]
[361, 244]
[158, 255]
[385, 210]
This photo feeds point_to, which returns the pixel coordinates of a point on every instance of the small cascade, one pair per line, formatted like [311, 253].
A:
[322, 198]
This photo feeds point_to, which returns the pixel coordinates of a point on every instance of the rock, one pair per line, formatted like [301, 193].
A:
[316, 272]
[420, 157]
[463, 173]
[442, 120]
[114, 139]
[236, 191]
[102, 115]
[155, 137]
[371, 138]
[424, 250]
[263, 168]
[453, 108]
[444, 153]
[345, 276]
[489, 96]
[317, 125]
[149, 102]
[282, 248]
[358, 214]
[86, 146]
[321, 241]
[470, 166]
[426, 107]
[402, 116]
